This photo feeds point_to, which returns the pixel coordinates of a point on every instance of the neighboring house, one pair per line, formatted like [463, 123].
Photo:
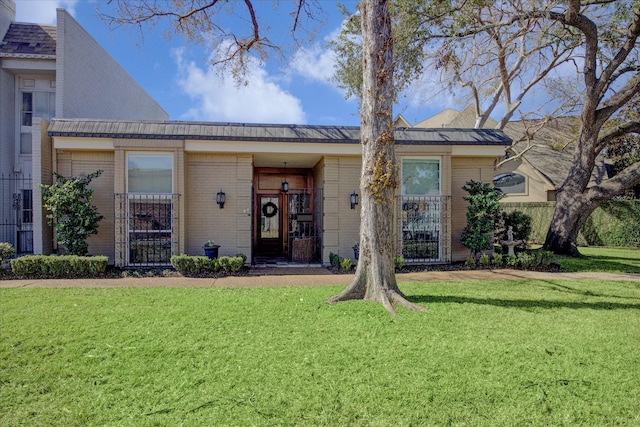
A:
[536, 175]
[277, 192]
[49, 71]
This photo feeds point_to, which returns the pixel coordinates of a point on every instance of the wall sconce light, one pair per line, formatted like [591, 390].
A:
[220, 198]
[354, 198]
[285, 184]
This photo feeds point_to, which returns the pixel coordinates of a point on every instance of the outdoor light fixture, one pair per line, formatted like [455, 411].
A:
[354, 199]
[220, 198]
[285, 184]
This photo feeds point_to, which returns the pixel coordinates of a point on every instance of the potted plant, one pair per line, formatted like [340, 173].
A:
[211, 249]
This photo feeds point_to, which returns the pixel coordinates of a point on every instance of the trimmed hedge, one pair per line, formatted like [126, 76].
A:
[196, 265]
[59, 265]
[615, 223]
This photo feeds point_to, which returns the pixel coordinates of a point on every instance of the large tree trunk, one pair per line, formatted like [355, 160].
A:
[375, 275]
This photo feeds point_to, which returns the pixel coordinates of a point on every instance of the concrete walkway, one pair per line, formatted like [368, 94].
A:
[311, 277]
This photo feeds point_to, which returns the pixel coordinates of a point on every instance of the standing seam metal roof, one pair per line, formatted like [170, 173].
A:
[249, 132]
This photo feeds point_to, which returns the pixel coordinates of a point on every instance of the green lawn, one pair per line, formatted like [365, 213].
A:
[501, 353]
[598, 258]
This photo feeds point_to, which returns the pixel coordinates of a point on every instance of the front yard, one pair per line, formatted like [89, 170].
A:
[494, 353]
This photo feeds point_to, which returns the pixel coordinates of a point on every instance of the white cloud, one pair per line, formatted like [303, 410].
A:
[42, 11]
[217, 99]
[314, 63]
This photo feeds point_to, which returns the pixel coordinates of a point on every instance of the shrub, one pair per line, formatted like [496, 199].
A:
[398, 262]
[71, 212]
[346, 264]
[525, 260]
[59, 266]
[482, 213]
[194, 265]
[497, 259]
[6, 251]
[484, 260]
[334, 260]
[512, 261]
[470, 262]
[542, 258]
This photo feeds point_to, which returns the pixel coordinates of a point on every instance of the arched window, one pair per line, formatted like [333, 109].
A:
[510, 183]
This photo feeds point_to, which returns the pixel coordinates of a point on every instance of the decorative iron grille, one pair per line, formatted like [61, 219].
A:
[424, 229]
[146, 229]
[304, 208]
[16, 211]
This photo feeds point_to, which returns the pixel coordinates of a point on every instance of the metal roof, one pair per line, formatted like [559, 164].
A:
[210, 131]
[29, 40]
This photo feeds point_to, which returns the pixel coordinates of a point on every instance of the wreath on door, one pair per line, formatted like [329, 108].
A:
[269, 209]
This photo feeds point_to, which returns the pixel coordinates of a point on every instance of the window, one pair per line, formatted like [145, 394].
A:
[421, 177]
[34, 104]
[510, 183]
[150, 173]
[421, 215]
[150, 208]
[27, 206]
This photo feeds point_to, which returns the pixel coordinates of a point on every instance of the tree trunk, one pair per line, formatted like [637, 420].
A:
[574, 204]
[375, 278]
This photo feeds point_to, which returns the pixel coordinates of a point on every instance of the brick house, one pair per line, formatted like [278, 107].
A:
[272, 192]
[49, 71]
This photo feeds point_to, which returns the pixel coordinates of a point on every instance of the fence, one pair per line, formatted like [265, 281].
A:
[425, 224]
[16, 211]
[146, 229]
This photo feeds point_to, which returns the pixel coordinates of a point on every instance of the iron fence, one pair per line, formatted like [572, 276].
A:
[146, 229]
[16, 211]
[305, 224]
[424, 229]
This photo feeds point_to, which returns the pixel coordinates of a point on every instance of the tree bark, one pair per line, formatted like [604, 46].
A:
[375, 278]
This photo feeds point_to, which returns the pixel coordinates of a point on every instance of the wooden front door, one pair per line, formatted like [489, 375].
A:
[270, 225]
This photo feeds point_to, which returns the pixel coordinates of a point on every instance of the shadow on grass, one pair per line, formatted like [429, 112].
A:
[601, 263]
[526, 304]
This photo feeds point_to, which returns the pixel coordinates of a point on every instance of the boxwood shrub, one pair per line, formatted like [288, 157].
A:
[59, 265]
[196, 265]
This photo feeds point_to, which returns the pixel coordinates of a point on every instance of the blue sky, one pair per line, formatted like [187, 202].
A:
[295, 89]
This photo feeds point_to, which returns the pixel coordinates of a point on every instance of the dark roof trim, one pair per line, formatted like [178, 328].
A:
[249, 132]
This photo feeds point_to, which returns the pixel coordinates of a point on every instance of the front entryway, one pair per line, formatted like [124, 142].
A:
[287, 220]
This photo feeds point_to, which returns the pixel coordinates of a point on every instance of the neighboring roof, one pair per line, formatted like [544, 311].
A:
[552, 147]
[29, 40]
[210, 131]
[440, 120]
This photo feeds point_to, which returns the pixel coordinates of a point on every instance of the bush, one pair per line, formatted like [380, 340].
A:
[71, 212]
[59, 266]
[346, 264]
[334, 260]
[497, 259]
[525, 260]
[482, 214]
[195, 265]
[484, 260]
[512, 261]
[398, 262]
[470, 262]
[6, 251]
[542, 258]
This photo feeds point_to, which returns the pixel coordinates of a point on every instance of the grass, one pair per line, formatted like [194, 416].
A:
[494, 353]
[597, 258]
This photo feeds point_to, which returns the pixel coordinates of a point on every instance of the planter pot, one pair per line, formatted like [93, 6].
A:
[211, 251]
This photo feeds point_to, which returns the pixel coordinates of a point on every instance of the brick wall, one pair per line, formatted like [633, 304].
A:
[92, 84]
